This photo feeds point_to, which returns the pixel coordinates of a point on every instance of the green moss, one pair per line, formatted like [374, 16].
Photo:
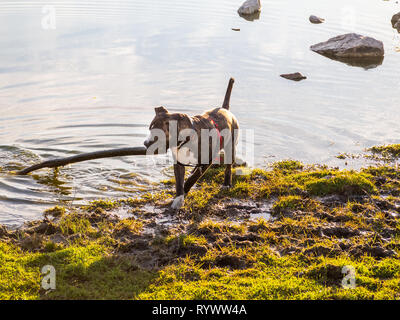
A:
[269, 278]
[292, 203]
[386, 151]
[50, 246]
[17, 280]
[185, 240]
[287, 166]
[75, 223]
[102, 204]
[220, 227]
[130, 225]
[345, 182]
[386, 269]
[199, 199]
[282, 258]
[56, 211]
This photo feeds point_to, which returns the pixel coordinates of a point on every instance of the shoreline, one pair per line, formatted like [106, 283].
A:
[319, 220]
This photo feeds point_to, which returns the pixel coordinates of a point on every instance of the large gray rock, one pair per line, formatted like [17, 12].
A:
[350, 45]
[250, 7]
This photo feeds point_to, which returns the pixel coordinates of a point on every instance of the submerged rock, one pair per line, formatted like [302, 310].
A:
[316, 20]
[294, 76]
[350, 45]
[396, 21]
[250, 7]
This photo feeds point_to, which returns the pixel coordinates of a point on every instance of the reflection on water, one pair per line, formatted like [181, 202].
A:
[251, 17]
[93, 82]
[366, 63]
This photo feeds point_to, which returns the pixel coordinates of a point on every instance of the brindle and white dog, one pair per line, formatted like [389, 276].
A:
[220, 121]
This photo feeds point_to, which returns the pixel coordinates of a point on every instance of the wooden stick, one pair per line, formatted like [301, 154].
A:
[137, 151]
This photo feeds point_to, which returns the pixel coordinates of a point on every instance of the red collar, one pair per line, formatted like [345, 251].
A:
[220, 138]
[216, 128]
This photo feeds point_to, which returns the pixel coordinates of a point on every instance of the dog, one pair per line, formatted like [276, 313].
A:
[218, 121]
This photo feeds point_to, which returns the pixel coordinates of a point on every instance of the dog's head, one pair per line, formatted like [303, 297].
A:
[163, 122]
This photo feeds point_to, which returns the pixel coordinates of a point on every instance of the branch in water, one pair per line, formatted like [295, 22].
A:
[137, 151]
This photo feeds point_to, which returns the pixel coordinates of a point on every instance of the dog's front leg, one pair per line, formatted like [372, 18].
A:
[228, 176]
[179, 171]
[195, 176]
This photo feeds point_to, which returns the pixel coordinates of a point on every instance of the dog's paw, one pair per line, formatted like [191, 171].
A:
[178, 202]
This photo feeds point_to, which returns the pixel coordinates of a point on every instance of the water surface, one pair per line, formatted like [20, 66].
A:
[93, 82]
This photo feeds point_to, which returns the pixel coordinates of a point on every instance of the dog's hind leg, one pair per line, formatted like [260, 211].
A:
[228, 168]
[195, 176]
[228, 175]
[179, 171]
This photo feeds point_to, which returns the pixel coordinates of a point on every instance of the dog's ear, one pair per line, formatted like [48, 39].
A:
[160, 110]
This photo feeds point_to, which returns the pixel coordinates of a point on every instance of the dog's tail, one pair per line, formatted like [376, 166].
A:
[225, 105]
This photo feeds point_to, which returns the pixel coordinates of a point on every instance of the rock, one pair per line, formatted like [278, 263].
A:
[294, 76]
[316, 20]
[350, 45]
[396, 21]
[250, 7]
[353, 49]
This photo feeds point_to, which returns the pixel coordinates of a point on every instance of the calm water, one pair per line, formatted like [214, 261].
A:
[92, 84]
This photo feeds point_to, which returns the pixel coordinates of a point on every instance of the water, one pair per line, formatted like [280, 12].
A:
[93, 82]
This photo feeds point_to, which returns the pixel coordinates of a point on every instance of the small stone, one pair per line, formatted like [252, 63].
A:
[316, 20]
[294, 76]
[395, 20]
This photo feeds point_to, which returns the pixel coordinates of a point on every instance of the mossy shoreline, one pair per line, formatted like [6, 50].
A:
[285, 232]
